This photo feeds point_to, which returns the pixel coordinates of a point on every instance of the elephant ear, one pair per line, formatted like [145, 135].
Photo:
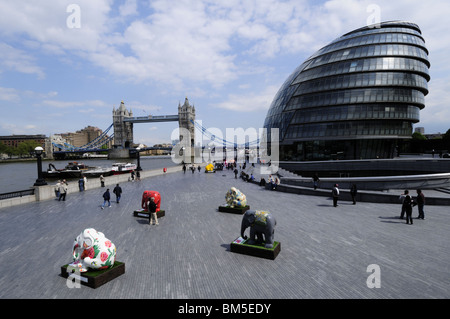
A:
[251, 216]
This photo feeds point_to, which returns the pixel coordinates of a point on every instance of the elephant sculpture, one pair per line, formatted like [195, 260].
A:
[235, 198]
[146, 197]
[260, 223]
[91, 249]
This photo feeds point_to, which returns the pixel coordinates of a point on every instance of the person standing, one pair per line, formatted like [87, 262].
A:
[102, 181]
[402, 199]
[118, 192]
[235, 173]
[335, 194]
[407, 207]
[81, 184]
[63, 190]
[57, 186]
[316, 181]
[420, 200]
[353, 192]
[152, 212]
[106, 198]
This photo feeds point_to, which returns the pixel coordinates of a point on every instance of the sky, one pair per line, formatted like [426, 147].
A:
[64, 65]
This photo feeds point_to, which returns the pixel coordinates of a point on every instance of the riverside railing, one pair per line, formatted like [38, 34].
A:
[17, 194]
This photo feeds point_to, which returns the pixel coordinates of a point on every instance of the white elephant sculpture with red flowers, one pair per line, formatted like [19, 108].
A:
[91, 249]
[235, 198]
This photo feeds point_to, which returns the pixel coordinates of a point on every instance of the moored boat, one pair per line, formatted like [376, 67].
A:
[121, 168]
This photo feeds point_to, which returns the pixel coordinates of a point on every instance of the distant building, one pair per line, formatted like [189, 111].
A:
[420, 130]
[15, 140]
[83, 136]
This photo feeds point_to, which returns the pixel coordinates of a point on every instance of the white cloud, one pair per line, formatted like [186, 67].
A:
[73, 104]
[9, 94]
[128, 8]
[250, 102]
[12, 59]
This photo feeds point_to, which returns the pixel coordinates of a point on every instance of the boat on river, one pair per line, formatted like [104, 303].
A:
[121, 168]
[75, 170]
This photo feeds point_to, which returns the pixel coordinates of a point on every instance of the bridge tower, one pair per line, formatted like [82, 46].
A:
[186, 117]
[123, 131]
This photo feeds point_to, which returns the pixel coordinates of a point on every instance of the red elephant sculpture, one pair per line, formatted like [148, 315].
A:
[146, 197]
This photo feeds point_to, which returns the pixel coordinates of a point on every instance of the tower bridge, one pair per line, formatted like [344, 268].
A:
[121, 138]
[123, 122]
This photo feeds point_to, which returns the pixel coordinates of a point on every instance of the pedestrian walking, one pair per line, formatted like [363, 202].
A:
[235, 173]
[353, 192]
[106, 198]
[152, 212]
[420, 201]
[132, 175]
[102, 181]
[335, 194]
[63, 190]
[407, 207]
[118, 192]
[184, 168]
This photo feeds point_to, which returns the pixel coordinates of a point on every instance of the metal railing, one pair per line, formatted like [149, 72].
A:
[17, 194]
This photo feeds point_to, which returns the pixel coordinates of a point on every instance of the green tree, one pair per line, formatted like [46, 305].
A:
[27, 148]
[418, 136]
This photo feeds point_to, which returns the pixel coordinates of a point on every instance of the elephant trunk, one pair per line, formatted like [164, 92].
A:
[244, 226]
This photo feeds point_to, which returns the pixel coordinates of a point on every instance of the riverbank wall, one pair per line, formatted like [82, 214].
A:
[47, 192]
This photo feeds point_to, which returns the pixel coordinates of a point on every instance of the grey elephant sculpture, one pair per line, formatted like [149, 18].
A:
[260, 223]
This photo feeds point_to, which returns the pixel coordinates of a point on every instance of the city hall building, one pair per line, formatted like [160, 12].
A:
[356, 98]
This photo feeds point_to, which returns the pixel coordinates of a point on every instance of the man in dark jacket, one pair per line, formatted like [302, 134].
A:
[420, 200]
[118, 192]
[152, 212]
[106, 198]
[407, 207]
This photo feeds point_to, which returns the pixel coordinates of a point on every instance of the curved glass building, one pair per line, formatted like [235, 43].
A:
[356, 98]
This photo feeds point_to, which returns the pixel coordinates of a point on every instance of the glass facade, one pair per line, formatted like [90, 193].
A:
[355, 98]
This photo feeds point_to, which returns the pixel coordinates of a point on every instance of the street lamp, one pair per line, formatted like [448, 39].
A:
[40, 180]
[138, 159]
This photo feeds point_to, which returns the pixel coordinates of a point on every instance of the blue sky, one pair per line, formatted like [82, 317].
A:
[63, 68]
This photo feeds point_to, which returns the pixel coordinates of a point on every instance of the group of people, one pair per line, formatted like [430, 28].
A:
[335, 193]
[107, 196]
[61, 189]
[191, 167]
[273, 182]
[408, 203]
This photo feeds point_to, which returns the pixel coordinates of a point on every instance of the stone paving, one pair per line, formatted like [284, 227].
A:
[325, 251]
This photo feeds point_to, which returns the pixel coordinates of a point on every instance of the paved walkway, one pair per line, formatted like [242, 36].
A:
[325, 251]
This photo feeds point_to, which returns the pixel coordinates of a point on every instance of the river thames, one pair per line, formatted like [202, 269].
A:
[16, 176]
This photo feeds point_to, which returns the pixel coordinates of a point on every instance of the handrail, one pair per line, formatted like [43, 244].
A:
[17, 194]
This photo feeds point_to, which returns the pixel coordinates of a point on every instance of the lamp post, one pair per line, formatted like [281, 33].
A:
[138, 159]
[40, 180]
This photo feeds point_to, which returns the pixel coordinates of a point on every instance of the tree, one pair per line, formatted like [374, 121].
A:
[418, 136]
